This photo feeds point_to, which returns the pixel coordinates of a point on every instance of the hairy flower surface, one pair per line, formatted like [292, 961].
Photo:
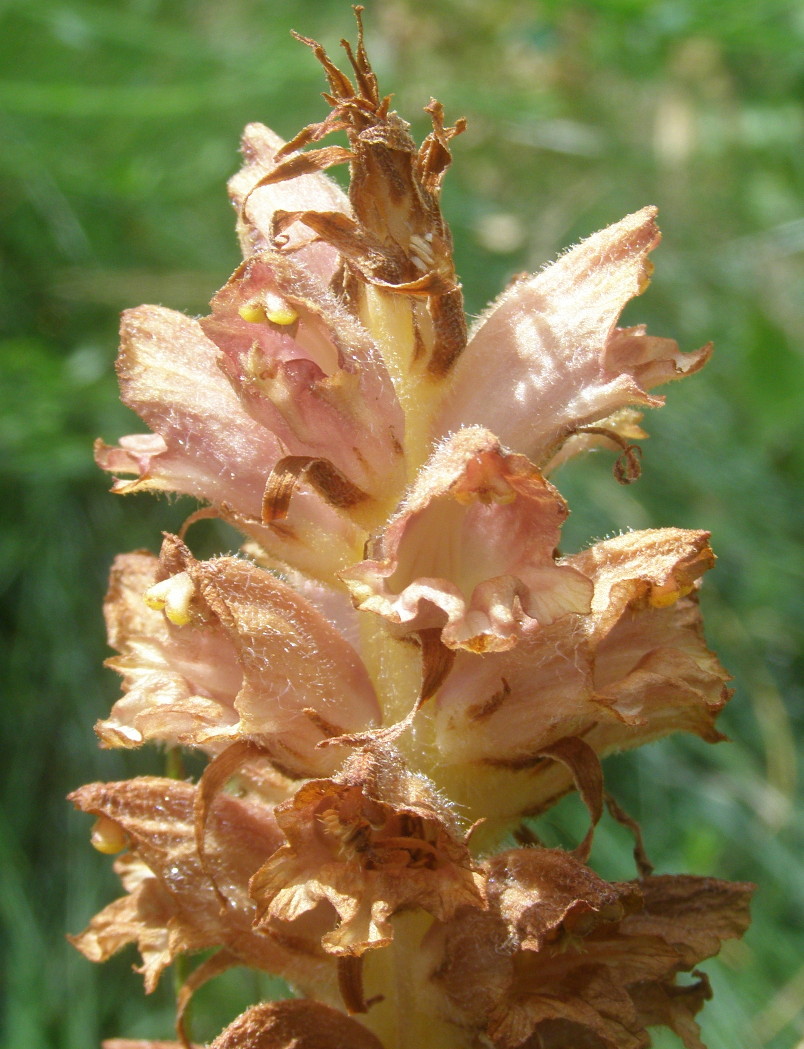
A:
[174, 896]
[369, 845]
[563, 959]
[400, 666]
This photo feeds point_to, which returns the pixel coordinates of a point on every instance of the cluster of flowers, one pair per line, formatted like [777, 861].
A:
[402, 666]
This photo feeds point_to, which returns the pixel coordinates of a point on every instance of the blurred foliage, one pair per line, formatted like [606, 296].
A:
[120, 125]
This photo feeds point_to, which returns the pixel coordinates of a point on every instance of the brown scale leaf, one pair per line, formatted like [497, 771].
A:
[143, 1043]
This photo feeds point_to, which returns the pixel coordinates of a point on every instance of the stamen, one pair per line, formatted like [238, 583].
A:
[280, 312]
[172, 596]
[422, 246]
[269, 308]
[660, 597]
[253, 312]
[108, 837]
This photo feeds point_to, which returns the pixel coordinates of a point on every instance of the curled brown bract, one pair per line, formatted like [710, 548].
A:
[398, 239]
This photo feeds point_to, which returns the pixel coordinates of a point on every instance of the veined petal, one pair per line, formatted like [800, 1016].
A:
[471, 551]
[223, 651]
[557, 359]
[172, 901]
[210, 448]
[634, 669]
[570, 960]
[226, 652]
[206, 445]
[302, 681]
[306, 371]
[257, 201]
[367, 844]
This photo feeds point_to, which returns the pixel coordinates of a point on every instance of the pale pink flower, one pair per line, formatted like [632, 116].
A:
[221, 650]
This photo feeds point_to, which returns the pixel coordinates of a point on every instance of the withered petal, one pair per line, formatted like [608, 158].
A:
[365, 857]
[143, 917]
[295, 1024]
[586, 1002]
[693, 914]
[158, 817]
[257, 198]
[544, 894]
[674, 1006]
[562, 958]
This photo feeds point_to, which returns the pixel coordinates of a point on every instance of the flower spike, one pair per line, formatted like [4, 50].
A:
[400, 670]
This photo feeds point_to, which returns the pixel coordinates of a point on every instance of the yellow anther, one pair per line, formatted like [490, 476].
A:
[108, 837]
[271, 308]
[664, 598]
[645, 276]
[279, 312]
[172, 596]
[253, 312]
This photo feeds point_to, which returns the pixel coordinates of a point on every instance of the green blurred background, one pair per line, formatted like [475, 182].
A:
[120, 123]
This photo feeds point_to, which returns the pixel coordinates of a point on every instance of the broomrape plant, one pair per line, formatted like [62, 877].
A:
[401, 667]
